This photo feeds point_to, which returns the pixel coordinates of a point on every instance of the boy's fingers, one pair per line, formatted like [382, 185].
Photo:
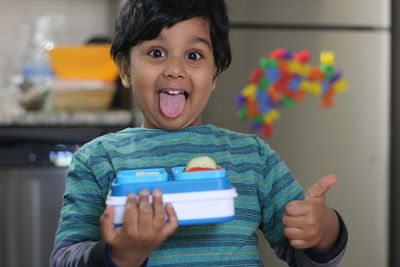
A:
[296, 208]
[299, 244]
[294, 221]
[294, 233]
[131, 214]
[144, 196]
[145, 212]
[172, 224]
[107, 225]
[320, 188]
[159, 215]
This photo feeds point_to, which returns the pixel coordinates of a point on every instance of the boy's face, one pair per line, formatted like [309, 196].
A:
[172, 76]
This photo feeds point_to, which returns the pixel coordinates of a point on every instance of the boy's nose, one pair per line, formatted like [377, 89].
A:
[174, 68]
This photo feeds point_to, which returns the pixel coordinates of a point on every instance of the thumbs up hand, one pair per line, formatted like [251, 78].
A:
[310, 222]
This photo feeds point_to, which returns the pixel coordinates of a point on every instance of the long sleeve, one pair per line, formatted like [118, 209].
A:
[78, 241]
[279, 189]
[313, 257]
[86, 253]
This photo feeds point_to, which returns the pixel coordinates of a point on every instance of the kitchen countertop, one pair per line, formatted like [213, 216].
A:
[69, 119]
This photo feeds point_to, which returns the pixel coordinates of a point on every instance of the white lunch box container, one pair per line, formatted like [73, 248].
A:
[202, 197]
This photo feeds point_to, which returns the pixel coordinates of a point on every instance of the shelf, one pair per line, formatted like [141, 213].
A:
[69, 119]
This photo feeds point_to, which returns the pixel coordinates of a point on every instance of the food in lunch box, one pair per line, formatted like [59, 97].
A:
[147, 173]
[201, 163]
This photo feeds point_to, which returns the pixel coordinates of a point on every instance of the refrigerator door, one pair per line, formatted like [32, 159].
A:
[349, 140]
[374, 13]
[31, 199]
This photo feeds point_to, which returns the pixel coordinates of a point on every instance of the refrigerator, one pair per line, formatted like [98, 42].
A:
[351, 139]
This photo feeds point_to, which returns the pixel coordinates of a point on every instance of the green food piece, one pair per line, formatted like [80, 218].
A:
[202, 162]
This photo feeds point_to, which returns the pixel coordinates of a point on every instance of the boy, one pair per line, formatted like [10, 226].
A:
[170, 53]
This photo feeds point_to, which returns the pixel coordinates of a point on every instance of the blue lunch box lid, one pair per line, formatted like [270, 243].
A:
[179, 174]
[128, 182]
[142, 176]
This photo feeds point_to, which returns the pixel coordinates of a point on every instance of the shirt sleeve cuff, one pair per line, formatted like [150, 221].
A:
[324, 256]
[111, 263]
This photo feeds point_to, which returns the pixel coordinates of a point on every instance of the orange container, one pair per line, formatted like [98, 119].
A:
[86, 62]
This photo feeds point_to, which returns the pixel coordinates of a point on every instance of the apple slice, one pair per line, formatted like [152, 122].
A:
[201, 163]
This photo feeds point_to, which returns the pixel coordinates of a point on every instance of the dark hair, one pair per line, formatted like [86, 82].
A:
[141, 20]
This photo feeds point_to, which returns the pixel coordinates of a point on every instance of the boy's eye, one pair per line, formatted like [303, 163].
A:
[157, 53]
[194, 56]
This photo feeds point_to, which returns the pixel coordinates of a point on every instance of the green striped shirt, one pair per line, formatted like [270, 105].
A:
[263, 182]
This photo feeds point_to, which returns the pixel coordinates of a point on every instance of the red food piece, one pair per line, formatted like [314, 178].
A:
[196, 169]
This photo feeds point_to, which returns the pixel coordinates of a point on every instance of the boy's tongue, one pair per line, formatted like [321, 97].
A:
[172, 105]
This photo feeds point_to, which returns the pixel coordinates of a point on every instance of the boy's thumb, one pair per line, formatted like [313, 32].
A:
[108, 230]
[320, 188]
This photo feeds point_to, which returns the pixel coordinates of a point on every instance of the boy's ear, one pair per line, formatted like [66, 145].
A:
[124, 70]
[214, 84]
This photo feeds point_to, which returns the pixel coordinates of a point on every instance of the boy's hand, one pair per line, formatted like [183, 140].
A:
[311, 223]
[144, 228]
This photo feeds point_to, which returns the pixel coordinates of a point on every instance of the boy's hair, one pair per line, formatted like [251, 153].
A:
[141, 20]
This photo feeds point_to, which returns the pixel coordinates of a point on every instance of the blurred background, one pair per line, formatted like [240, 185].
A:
[52, 103]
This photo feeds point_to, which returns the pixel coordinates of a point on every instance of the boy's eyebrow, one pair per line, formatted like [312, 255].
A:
[191, 39]
[195, 39]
